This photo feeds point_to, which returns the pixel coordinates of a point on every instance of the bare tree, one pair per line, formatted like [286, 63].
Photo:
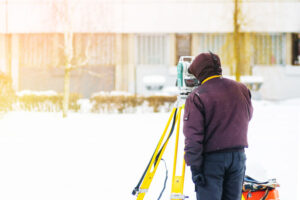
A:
[238, 49]
[67, 14]
[236, 38]
[64, 11]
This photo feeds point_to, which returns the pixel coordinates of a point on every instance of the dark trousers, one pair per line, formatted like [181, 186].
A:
[224, 175]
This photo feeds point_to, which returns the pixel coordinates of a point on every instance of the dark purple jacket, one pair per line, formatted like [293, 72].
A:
[216, 118]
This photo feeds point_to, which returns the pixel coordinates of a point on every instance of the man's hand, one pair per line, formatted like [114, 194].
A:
[197, 176]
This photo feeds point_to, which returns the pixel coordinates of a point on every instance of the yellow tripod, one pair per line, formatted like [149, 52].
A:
[177, 181]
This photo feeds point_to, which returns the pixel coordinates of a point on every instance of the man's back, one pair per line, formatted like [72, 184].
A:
[216, 118]
[226, 105]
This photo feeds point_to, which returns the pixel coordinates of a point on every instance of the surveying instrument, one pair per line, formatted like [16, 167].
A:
[186, 82]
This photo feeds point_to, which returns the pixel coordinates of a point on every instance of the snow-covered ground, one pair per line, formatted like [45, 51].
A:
[102, 156]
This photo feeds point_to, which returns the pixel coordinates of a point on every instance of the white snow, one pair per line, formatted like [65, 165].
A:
[171, 90]
[248, 79]
[112, 93]
[102, 156]
[154, 80]
[252, 79]
[37, 93]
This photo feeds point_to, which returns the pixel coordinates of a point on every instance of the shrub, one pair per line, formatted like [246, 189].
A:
[48, 101]
[115, 102]
[158, 102]
[7, 94]
[104, 102]
[120, 102]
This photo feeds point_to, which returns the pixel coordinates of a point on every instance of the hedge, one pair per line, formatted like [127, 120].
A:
[7, 94]
[128, 103]
[45, 102]
[103, 102]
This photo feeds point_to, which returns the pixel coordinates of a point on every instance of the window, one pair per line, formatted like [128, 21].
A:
[211, 42]
[5, 53]
[40, 50]
[97, 48]
[183, 45]
[296, 49]
[151, 49]
[269, 49]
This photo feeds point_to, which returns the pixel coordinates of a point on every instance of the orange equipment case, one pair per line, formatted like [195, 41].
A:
[257, 190]
[258, 195]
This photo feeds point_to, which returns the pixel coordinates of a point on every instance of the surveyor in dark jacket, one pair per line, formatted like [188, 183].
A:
[215, 126]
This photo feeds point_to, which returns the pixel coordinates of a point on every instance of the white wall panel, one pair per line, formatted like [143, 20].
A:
[144, 16]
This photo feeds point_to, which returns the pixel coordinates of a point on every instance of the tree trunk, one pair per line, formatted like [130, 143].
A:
[66, 91]
[236, 39]
[68, 53]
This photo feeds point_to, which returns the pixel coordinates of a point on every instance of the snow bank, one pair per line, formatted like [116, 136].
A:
[102, 156]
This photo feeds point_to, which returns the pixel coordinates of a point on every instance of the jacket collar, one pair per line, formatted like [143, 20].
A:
[209, 78]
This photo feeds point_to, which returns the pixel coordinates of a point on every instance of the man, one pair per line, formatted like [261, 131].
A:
[215, 126]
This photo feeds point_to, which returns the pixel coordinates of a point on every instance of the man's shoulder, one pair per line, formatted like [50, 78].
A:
[192, 94]
[198, 91]
[234, 82]
[197, 94]
[194, 98]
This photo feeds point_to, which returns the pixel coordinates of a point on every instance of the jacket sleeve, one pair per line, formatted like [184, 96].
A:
[193, 130]
[250, 107]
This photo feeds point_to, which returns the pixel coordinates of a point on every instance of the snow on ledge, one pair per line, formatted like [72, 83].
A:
[248, 79]
[112, 93]
[150, 80]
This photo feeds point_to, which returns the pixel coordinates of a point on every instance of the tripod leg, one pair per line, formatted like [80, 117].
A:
[243, 198]
[177, 181]
[155, 161]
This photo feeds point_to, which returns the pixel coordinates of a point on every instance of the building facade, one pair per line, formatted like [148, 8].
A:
[116, 44]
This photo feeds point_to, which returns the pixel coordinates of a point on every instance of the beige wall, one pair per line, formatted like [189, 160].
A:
[3, 66]
[125, 62]
[15, 60]
[172, 44]
[279, 82]
[289, 47]
[131, 67]
[124, 55]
